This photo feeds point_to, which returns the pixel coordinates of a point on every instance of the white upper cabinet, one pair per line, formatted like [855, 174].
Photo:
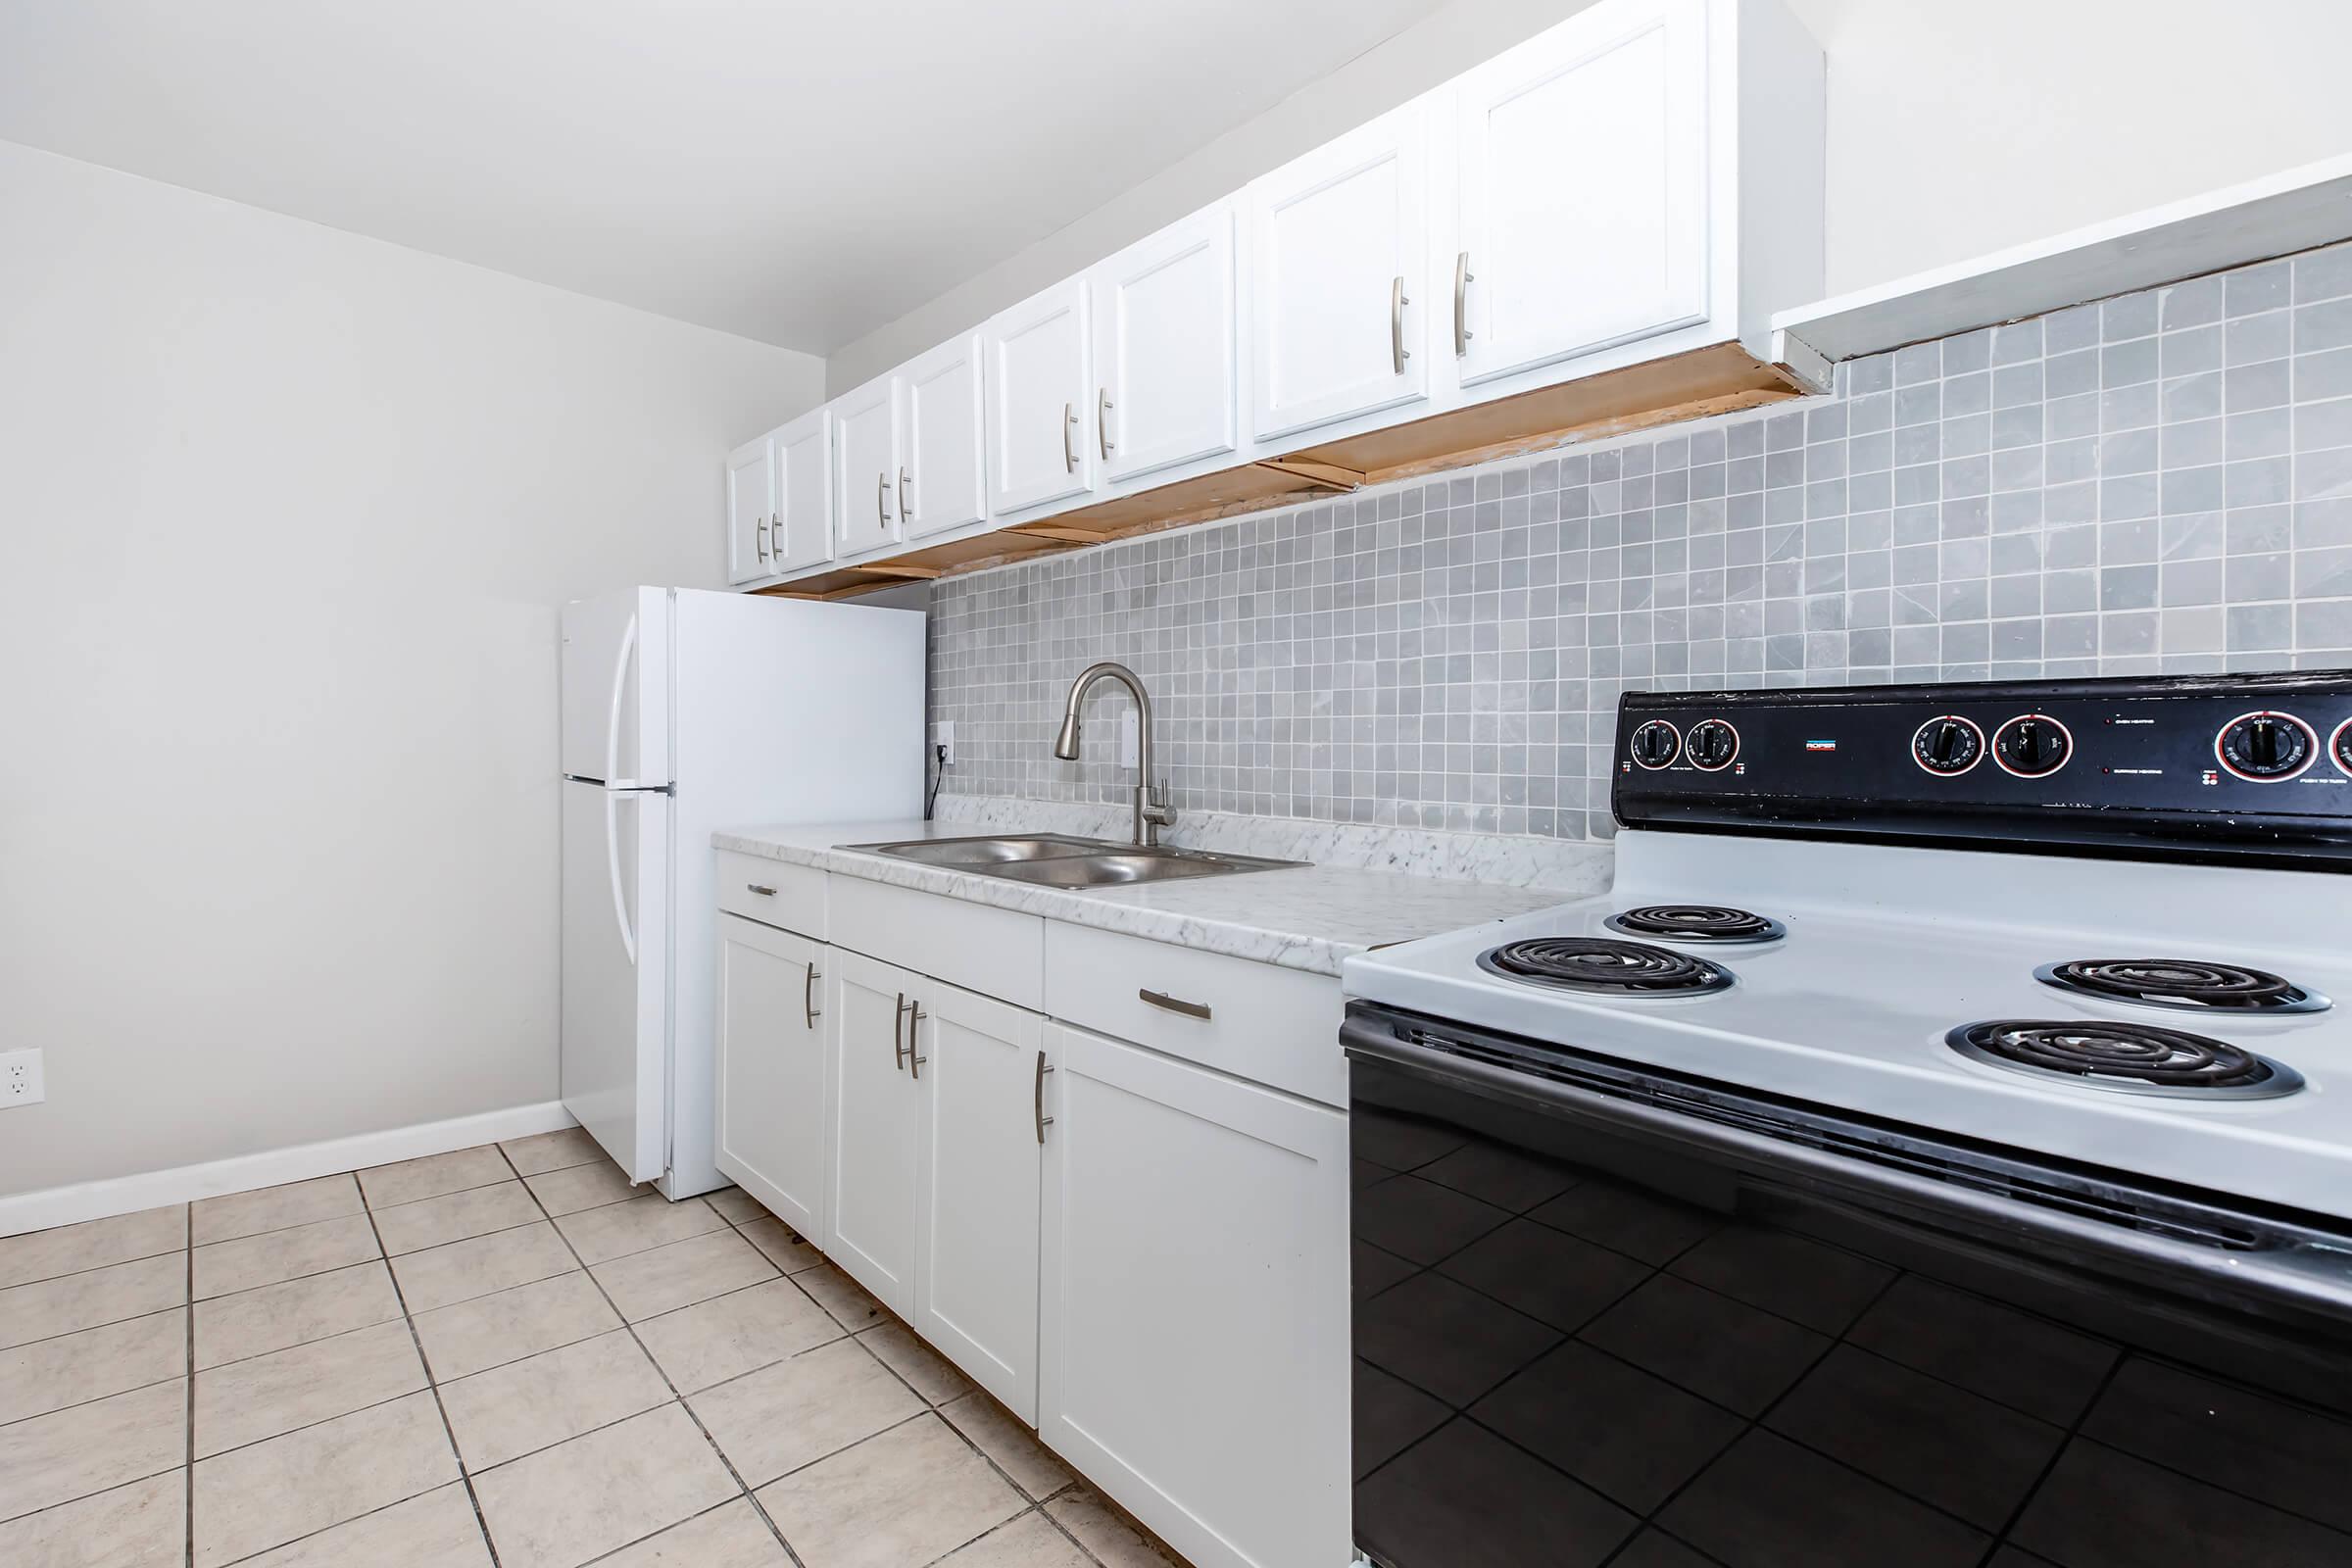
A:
[1164, 321]
[1038, 397]
[802, 456]
[947, 487]
[868, 465]
[1338, 246]
[1580, 184]
[751, 509]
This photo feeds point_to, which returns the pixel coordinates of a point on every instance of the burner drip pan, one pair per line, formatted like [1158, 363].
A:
[2134, 1059]
[1600, 967]
[2186, 984]
[1696, 922]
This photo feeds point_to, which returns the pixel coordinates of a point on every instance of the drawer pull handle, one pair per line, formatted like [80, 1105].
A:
[1042, 1120]
[914, 1059]
[1161, 999]
[765, 893]
[897, 1033]
[809, 995]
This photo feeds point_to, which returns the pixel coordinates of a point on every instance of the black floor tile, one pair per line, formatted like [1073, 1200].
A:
[1372, 1271]
[1707, 1344]
[1639, 1224]
[1631, 1436]
[2023, 1361]
[1965, 1454]
[2232, 1437]
[1768, 1503]
[1421, 1220]
[1445, 1339]
[1465, 1499]
[1400, 1143]
[1390, 1416]
[1363, 1173]
[1818, 1286]
[1545, 1273]
[1504, 1177]
[1654, 1548]
[2103, 1509]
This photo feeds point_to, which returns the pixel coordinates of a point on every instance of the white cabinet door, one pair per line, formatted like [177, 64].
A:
[976, 1205]
[1163, 321]
[1581, 179]
[1038, 395]
[802, 451]
[944, 449]
[1338, 243]
[751, 510]
[876, 1121]
[1194, 1308]
[867, 453]
[771, 1070]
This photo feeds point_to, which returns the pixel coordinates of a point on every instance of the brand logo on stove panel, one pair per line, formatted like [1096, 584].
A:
[2266, 746]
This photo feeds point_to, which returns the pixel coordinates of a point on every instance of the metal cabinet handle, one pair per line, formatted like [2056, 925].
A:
[1042, 1120]
[1161, 999]
[759, 538]
[1069, 448]
[809, 995]
[1397, 352]
[897, 1033]
[753, 887]
[902, 512]
[915, 1060]
[1462, 276]
[1102, 420]
[882, 499]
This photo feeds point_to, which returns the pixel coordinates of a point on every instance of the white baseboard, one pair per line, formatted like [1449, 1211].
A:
[127, 1194]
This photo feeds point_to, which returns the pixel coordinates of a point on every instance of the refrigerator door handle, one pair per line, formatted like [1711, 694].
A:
[621, 906]
[620, 682]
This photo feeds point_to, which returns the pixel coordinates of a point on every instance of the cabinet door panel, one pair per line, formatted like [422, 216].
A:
[876, 1121]
[751, 503]
[944, 486]
[1163, 321]
[867, 450]
[771, 1071]
[976, 1281]
[1558, 265]
[1038, 397]
[803, 451]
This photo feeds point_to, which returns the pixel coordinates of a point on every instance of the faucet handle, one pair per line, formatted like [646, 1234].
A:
[1157, 808]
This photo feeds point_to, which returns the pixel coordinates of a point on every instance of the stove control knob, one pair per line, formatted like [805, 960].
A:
[2265, 748]
[2341, 747]
[1656, 743]
[1948, 745]
[1713, 744]
[2032, 745]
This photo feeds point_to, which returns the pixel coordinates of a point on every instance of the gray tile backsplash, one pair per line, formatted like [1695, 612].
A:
[2156, 482]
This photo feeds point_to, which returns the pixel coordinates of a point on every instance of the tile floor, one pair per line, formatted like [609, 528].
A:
[503, 1355]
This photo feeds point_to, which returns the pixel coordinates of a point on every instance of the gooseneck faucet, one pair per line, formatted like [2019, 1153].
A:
[1151, 812]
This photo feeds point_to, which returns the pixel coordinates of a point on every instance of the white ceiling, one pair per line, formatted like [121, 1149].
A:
[793, 172]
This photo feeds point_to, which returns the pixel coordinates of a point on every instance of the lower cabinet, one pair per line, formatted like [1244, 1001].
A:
[772, 1063]
[877, 1115]
[1194, 1302]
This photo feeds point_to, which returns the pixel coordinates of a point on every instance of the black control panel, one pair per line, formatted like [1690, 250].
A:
[2249, 768]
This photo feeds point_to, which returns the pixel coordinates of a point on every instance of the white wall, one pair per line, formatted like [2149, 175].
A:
[284, 518]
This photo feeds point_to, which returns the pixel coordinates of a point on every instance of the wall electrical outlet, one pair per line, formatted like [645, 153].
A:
[20, 1079]
[943, 736]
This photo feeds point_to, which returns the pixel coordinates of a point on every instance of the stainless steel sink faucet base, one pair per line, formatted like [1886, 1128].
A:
[1152, 811]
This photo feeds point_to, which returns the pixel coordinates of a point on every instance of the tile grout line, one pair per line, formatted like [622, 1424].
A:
[94, 1268]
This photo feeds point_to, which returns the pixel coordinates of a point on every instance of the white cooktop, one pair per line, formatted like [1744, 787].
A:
[1889, 947]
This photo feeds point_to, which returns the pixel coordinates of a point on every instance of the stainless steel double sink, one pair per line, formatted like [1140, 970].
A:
[1059, 860]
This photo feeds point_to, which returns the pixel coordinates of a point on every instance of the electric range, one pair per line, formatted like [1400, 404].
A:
[1937, 1144]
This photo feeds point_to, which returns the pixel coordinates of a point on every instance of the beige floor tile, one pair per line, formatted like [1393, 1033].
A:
[289, 1487]
[93, 1244]
[226, 1267]
[600, 1234]
[1102, 1532]
[573, 1187]
[723, 1338]
[1014, 1447]
[1029, 1542]
[248, 1400]
[492, 1330]
[71, 1454]
[910, 1495]
[143, 1525]
[735, 1205]
[437, 1529]
[548, 1398]
[272, 1209]
[414, 1180]
[843, 1296]
[926, 1371]
[572, 1145]
[783, 1246]
[565, 1505]
[779, 1418]
[441, 1275]
[73, 1301]
[648, 1283]
[732, 1536]
[75, 1368]
[316, 1307]
[455, 1217]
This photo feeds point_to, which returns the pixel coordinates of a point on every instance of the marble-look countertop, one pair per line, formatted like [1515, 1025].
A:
[1311, 917]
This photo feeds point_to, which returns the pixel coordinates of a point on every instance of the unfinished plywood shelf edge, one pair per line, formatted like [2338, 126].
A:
[2276, 215]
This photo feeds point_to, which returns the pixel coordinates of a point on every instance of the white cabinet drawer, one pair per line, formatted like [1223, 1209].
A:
[994, 952]
[1270, 1026]
[790, 897]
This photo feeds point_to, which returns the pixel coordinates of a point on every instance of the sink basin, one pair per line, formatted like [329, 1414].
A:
[1059, 860]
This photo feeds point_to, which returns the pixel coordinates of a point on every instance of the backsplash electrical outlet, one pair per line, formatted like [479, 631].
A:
[20, 1079]
[2157, 482]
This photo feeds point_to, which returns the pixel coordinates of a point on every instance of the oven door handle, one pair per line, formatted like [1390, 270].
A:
[2313, 1279]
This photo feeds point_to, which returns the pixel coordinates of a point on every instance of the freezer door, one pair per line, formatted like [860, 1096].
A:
[616, 954]
[616, 688]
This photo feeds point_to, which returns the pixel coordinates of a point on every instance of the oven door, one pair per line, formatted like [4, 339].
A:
[1604, 1316]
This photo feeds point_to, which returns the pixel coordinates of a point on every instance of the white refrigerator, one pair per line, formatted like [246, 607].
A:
[684, 712]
